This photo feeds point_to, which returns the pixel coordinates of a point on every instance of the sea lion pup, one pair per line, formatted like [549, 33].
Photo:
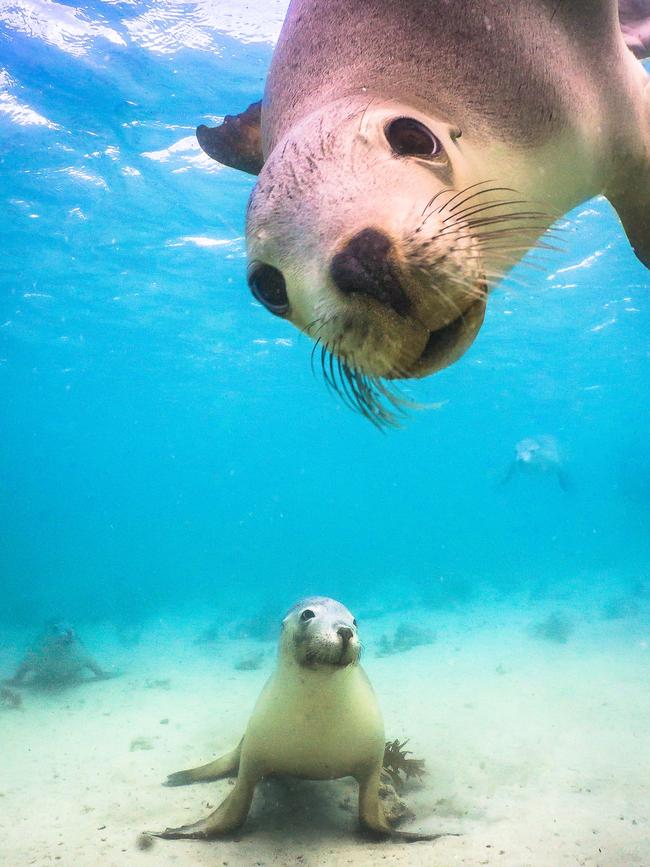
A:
[57, 658]
[538, 455]
[409, 154]
[317, 718]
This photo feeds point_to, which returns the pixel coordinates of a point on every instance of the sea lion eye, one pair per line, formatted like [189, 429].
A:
[307, 614]
[354, 622]
[410, 138]
[269, 287]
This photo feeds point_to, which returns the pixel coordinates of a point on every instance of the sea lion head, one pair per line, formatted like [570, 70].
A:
[368, 230]
[319, 632]
[60, 633]
[527, 450]
[541, 451]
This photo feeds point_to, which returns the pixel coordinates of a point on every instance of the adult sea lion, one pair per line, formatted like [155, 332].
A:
[57, 658]
[317, 718]
[409, 154]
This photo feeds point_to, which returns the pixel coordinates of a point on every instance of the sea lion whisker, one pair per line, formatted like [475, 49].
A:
[359, 397]
[434, 198]
[502, 226]
[466, 190]
[475, 205]
[313, 352]
[493, 245]
[484, 206]
[509, 232]
[481, 193]
[323, 359]
[494, 219]
[345, 394]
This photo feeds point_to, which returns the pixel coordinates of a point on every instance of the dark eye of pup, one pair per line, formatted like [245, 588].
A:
[410, 138]
[354, 622]
[307, 614]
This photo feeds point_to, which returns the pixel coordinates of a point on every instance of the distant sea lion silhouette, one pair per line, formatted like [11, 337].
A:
[317, 718]
[538, 455]
[57, 658]
[409, 154]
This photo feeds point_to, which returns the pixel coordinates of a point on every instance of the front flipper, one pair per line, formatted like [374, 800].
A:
[632, 203]
[25, 667]
[229, 816]
[634, 16]
[224, 766]
[372, 818]
[237, 142]
[629, 188]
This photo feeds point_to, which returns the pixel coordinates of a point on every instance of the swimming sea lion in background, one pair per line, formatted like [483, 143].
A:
[538, 455]
[57, 658]
[409, 154]
[317, 718]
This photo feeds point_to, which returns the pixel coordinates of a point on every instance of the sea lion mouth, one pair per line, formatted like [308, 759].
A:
[371, 394]
[448, 343]
[330, 656]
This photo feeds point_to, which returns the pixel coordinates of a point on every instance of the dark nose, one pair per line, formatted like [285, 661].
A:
[345, 632]
[364, 267]
[269, 287]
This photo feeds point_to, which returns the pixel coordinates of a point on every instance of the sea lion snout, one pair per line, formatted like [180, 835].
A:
[364, 266]
[345, 633]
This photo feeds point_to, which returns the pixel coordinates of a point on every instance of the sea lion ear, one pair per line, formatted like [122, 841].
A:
[237, 142]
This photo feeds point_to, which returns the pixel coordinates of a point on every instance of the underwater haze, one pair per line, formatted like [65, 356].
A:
[168, 455]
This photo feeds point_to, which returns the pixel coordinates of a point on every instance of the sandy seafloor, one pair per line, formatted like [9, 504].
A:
[538, 753]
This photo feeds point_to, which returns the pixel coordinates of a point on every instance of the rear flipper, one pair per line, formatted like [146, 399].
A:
[99, 672]
[21, 673]
[224, 766]
[237, 142]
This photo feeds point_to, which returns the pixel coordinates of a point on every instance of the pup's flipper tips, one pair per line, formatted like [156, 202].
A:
[180, 778]
[196, 831]
[237, 142]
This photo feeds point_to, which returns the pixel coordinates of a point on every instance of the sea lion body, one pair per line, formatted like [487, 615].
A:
[413, 152]
[57, 658]
[317, 718]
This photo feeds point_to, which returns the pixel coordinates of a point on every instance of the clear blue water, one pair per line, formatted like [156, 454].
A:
[163, 441]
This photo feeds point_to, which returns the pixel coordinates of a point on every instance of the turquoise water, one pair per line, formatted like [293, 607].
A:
[164, 442]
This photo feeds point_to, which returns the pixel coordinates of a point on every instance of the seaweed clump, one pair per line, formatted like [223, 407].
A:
[407, 636]
[396, 762]
[555, 628]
